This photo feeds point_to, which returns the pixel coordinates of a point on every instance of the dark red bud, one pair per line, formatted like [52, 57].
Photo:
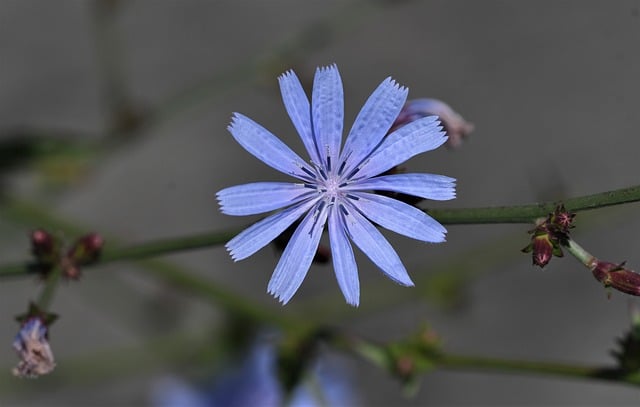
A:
[542, 250]
[86, 249]
[615, 275]
[42, 244]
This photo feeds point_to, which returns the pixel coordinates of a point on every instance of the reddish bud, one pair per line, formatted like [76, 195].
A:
[542, 250]
[405, 367]
[86, 249]
[615, 275]
[43, 245]
[562, 219]
[549, 235]
[456, 127]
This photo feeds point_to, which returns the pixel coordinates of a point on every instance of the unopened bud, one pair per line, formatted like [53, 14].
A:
[44, 246]
[562, 219]
[615, 275]
[86, 249]
[457, 128]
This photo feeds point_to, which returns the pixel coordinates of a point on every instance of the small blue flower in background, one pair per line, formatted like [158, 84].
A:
[254, 382]
[332, 188]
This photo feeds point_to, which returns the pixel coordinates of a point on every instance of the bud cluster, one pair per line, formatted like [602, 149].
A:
[49, 252]
[549, 235]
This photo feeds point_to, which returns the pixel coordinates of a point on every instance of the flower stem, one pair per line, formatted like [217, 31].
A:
[501, 214]
[465, 362]
[581, 254]
[49, 289]
[527, 213]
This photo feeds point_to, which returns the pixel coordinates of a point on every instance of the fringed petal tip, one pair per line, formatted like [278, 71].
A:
[232, 253]
[354, 302]
[286, 74]
[235, 117]
[278, 296]
[330, 67]
[401, 88]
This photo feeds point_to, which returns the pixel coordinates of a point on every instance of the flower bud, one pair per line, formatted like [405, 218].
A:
[549, 235]
[86, 249]
[456, 127]
[44, 246]
[562, 219]
[615, 275]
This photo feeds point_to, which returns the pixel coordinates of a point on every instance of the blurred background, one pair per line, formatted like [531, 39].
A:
[113, 117]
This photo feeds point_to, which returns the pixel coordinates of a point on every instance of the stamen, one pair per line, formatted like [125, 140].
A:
[355, 198]
[322, 174]
[308, 172]
[311, 186]
[343, 210]
[354, 172]
[344, 164]
[328, 163]
[316, 216]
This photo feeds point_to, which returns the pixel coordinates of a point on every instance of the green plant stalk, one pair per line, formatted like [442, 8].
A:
[581, 254]
[464, 362]
[49, 289]
[380, 356]
[503, 214]
[172, 274]
[528, 213]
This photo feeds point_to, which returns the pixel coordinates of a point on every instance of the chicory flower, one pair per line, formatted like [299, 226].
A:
[335, 187]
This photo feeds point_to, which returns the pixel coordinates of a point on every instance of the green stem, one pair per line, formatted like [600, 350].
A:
[464, 362]
[49, 289]
[527, 213]
[581, 254]
[165, 246]
[503, 214]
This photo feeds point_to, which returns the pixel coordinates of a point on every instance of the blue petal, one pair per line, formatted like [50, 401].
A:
[428, 186]
[414, 138]
[375, 246]
[265, 146]
[296, 258]
[344, 262]
[373, 122]
[400, 217]
[328, 113]
[260, 197]
[299, 109]
[261, 233]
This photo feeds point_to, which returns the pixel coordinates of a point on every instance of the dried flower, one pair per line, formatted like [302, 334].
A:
[456, 127]
[331, 189]
[32, 345]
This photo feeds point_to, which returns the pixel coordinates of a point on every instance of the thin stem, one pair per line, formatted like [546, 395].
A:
[427, 360]
[503, 214]
[527, 213]
[164, 246]
[581, 254]
[465, 362]
[49, 289]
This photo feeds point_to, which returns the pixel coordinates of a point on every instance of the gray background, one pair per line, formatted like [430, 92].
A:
[552, 88]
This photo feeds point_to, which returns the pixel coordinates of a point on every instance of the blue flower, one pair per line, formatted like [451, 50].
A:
[335, 187]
